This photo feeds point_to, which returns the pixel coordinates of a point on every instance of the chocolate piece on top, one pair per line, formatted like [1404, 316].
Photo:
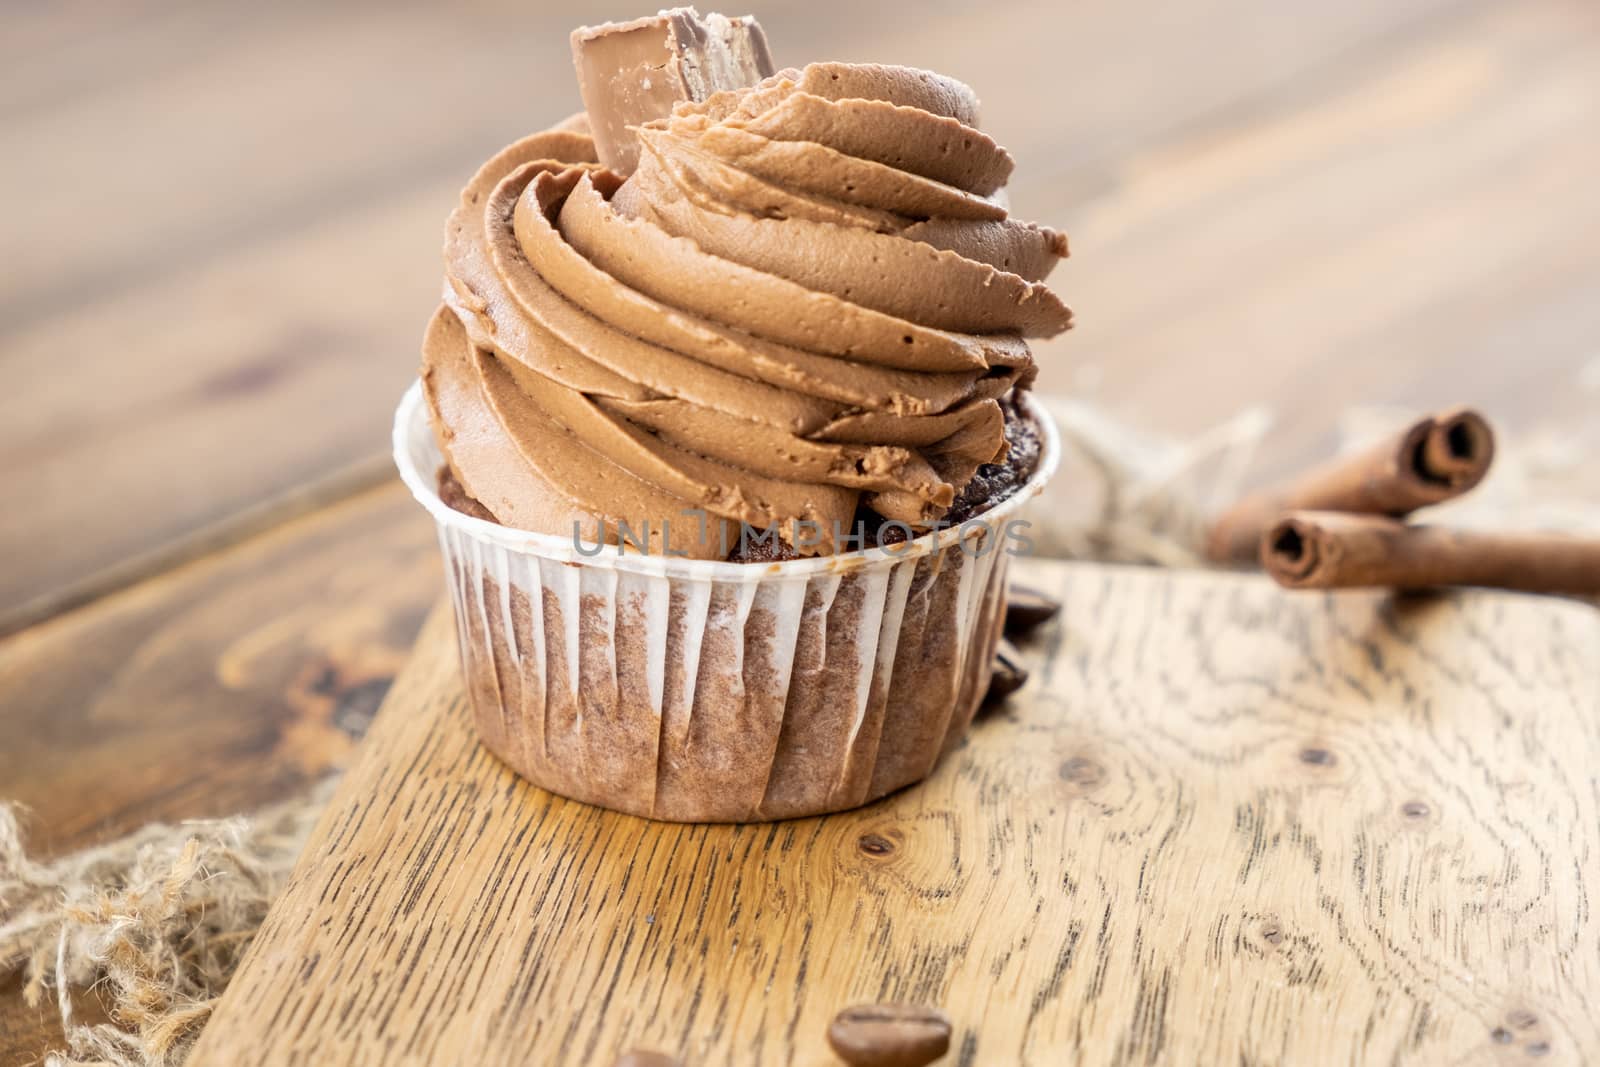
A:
[632, 72]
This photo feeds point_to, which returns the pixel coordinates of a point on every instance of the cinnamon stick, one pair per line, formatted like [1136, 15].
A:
[1436, 458]
[1332, 550]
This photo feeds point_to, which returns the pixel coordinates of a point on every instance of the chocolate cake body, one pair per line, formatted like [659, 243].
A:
[766, 730]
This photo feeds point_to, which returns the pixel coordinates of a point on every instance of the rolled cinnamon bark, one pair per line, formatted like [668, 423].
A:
[1332, 550]
[1435, 459]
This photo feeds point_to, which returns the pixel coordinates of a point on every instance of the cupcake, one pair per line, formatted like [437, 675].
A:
[725, 453]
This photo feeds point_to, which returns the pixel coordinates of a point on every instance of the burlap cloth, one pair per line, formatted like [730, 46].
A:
[157, 920]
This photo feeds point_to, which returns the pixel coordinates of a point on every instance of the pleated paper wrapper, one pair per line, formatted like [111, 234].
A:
[704, 691]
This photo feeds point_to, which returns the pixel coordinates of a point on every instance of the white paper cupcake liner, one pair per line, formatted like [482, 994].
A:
[706, 691]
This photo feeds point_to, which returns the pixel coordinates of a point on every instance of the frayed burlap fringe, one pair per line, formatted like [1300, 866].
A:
[156, 921]
[1121, 496]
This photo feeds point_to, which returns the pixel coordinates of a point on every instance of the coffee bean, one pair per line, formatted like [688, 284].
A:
[1028, 608]
[890, 1035]
[641, 1057]
[1008, 674]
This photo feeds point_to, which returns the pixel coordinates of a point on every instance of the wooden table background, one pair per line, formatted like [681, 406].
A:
[221, 243]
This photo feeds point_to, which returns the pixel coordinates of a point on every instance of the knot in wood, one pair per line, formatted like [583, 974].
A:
[1083, 771]
[875, 845]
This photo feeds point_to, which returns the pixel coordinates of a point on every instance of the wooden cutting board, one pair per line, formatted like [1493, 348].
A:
[1222, 824]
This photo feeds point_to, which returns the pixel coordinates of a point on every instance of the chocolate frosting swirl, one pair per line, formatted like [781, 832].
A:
[809, 296]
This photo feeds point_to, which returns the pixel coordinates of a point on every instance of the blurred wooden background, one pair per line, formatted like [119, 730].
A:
[221, 241]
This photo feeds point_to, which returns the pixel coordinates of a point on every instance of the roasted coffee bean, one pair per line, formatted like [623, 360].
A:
[1027, 608]
[1009, 673]
[890, 1035]
[641, 1057]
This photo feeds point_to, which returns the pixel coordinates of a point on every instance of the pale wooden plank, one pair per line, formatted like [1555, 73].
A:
[1222, 825]
[1184, 118]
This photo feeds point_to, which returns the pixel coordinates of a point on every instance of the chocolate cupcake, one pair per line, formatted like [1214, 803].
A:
[725, 453]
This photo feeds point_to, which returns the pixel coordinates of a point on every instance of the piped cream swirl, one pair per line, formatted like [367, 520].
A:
[809, 296]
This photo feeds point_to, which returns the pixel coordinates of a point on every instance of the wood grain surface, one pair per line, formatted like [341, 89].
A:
[219, 687]
[1221, 825]
[223, 241]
